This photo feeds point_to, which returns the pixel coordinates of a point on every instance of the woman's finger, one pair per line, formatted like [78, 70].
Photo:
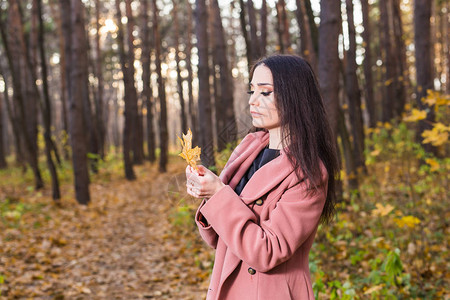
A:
[201, 170]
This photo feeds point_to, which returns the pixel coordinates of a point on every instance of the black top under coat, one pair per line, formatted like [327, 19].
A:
[263, 157]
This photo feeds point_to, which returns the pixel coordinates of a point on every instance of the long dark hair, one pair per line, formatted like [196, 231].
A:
[303, 117]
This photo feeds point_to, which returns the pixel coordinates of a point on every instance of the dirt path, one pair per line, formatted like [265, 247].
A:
[123, 246]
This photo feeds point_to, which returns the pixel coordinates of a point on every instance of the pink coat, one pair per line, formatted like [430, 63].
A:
[262, 237]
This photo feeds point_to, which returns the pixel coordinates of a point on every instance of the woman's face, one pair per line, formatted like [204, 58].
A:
[262, 100]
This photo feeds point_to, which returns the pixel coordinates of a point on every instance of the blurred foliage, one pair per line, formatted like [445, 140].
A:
[392, 241]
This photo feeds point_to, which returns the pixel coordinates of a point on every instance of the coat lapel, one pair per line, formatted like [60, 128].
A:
[242, 157]
[265, 178]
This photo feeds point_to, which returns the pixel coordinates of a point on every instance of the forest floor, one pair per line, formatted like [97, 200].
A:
[131, 242]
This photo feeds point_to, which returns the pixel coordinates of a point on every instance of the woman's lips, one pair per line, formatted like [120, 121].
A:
[255, 114]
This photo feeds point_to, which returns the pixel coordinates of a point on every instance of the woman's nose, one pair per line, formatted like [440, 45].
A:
[253, 99]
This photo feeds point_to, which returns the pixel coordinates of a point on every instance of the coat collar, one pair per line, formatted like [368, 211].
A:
[265, 178]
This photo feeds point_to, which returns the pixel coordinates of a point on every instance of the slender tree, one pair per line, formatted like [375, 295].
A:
[128, 85]
[46, 108]
[263, 38]
[285, 39]
[312, 25]
[136, 124]
[330, 20]
[3, 164]
[147, 92]
[388, 107]
[424, 73]
[353, 92]
[256, 50]
[163, 130]
[13, 119]
[76, 38]
[227, 128]
[64, 95]
[27, 110]
[402, 80]
[177, 60]
[204, 97]
[367, 65]
[99, 122]
[191, 106]
[248, 44]
[347, 150]
[88, 105]
[446, 45]
[306, 43]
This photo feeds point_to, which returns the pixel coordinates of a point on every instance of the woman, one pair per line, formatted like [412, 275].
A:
[262, 213]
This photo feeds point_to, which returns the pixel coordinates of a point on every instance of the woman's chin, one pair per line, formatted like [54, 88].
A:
[257, 123]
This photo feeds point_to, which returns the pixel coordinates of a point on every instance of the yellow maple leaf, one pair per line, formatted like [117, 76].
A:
[382, 210]
[375, 152]
[416, 115]
[436, 98]
[373, 289]
[436, 136]
[190, 155]
[433, 164]
[409, 221]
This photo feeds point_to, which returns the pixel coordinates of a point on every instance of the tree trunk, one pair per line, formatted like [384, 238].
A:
[147, 93]
[163, 130]
[349, 159]
[353, 92]
[256, 53]
[446, 47]
[136, 130]
[17, 58]
[46, 108]
[390, 79]
[367, 65]
[312, 26]
[263, 38]
[285, 27]
[128, 127]
[3, 164]
[76, 37]
[330, 20]
[227, 131]
[402, 81]
[306, 45]
[99, 72]
[177, 59]
[192, 110]
[248, 45]
[64, 78]
[88, 113]
[279, 27]
[32, 37]
[204, 97]
[424, 73]
[13, 119]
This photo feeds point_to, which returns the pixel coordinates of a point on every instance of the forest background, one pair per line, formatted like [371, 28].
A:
[94, 93]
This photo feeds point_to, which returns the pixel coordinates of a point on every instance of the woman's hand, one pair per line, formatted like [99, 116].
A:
[202, 184]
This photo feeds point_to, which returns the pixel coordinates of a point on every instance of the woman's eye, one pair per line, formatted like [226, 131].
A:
[250, 92]
[266, 93]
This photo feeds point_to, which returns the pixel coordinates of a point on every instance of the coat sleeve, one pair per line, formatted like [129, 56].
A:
[271, 242]
[206, 231]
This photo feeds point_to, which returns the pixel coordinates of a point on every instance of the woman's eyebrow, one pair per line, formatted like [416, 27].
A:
[262, 83]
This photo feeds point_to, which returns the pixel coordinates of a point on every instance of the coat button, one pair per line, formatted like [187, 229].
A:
[259, 202]
[251, 271]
